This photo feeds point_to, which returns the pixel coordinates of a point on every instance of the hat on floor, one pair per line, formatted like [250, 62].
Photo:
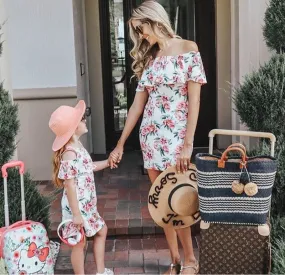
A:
[173, 199]
[64, 121]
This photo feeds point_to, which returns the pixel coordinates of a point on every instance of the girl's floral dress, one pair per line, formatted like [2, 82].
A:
[81, 169]
[164, 121]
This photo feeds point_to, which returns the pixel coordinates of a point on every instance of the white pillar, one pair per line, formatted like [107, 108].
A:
[247, 45]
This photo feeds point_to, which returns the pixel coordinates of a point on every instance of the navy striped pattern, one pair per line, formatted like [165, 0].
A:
[218, 203]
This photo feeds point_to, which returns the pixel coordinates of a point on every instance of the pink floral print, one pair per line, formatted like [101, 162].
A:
[81, 169]
[163, 127]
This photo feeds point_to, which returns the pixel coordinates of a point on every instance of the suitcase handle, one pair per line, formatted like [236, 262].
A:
[4, 168]
[214, 132]
[19, 223]
[12, 164]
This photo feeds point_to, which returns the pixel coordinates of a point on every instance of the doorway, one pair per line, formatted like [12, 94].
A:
[192, 20]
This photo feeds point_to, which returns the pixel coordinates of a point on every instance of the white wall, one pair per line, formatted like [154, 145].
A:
[41, 41]
[42, 70]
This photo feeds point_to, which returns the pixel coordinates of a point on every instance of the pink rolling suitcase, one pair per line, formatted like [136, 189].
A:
[24, 245]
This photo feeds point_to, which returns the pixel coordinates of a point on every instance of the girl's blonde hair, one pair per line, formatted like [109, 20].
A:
[152, 13]
[56, 161]
[57, 156]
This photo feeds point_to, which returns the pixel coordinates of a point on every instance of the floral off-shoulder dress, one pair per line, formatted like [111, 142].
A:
[81, 169]
[163, 127]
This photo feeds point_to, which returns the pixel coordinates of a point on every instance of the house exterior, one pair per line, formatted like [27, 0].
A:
[57, 52]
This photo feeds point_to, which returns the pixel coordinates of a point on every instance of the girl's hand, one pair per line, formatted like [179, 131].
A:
[116, 156]
[111, 163]
[184, 160]
[78, 221]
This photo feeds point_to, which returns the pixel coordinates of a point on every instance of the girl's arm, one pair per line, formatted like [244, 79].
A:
[100, 165]
[70, 187]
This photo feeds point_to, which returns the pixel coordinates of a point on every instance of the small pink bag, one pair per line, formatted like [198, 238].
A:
[24, 245]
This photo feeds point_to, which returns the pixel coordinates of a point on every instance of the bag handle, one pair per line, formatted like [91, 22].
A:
[238, 145]
[4, 168]
[223, 159]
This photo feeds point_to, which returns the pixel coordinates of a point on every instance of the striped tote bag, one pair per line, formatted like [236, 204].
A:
[235, 189]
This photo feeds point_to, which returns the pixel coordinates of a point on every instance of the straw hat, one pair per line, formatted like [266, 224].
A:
[173, 199]
[64, 121]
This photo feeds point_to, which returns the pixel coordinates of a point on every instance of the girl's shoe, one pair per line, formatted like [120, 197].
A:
[106, 272]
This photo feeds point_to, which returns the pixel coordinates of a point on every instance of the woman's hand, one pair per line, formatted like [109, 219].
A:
[116, 156]
[78, 221]
[184, 160]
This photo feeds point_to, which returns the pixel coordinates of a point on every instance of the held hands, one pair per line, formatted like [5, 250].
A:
[183, 162]
[116, 156]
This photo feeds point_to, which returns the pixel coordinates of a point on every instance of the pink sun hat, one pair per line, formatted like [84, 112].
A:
[64, 121]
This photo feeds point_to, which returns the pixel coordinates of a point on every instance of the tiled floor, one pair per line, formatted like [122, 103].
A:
[122, 199]
[125, 256]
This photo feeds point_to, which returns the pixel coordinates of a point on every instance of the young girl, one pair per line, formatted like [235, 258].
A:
[73, 169]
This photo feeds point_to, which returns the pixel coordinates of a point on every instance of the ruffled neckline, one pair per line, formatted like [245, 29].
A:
[174, 56]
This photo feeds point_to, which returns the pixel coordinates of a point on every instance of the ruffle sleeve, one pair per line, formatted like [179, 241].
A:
[195, 69]
[68, 169]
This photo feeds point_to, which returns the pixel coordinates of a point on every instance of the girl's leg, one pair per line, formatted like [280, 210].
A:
[77, 258]
[170, 233]
[184, 235]
[99, 249]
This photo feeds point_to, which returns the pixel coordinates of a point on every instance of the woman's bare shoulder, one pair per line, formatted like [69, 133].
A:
[189, 46]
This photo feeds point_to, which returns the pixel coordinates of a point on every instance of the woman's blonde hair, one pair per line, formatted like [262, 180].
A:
[152, 13]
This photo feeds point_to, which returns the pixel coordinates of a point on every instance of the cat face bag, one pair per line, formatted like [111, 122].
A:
[24, 245]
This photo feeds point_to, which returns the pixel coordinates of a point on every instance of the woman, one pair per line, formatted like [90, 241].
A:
[170, 73]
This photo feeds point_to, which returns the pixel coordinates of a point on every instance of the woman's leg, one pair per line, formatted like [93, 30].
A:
[77, 258]
[185, 238]
[99, 249]
[170, 233]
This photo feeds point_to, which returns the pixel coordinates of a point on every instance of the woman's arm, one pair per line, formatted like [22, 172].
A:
[134, 114]
[194, 90]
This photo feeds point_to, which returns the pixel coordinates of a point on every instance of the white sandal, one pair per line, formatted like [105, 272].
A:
[195, 268]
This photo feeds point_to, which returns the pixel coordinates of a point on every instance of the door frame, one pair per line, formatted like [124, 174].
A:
[111, 135]
[82, 63]
[107, 72]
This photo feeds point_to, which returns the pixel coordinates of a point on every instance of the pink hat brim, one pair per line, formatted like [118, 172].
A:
[60, 141]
